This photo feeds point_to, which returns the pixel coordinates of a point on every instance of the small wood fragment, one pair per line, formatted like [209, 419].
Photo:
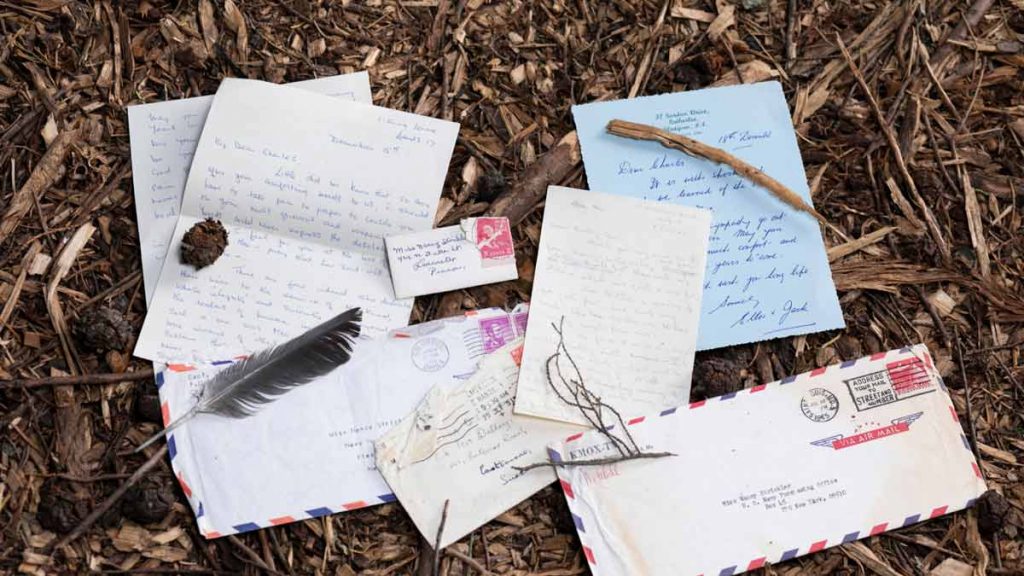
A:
[46, 172]
[697, 149]
[551, 168]
[847, 248]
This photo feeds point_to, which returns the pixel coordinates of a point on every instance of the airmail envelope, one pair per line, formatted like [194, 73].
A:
[310, 452]
[780, 470]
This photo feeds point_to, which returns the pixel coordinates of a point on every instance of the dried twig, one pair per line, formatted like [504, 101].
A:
[437, 539]
[790, 54]
[80, 380]
[551, 168]
[596, 461]
[700, 150]
[967, 399]
[573, 391]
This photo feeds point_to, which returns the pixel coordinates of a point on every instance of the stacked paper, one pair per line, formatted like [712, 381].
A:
[329, 203]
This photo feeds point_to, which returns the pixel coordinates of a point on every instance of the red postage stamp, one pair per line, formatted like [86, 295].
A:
[494, 239]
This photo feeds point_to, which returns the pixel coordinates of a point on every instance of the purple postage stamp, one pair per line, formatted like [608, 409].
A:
[496, 332]
[519, 322]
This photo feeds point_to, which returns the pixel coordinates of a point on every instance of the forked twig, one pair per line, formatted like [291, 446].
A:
[573, 391]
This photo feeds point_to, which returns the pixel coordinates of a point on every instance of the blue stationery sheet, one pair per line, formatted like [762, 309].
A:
[767, 273]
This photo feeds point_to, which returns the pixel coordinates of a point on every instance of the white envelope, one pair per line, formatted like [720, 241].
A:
[310, 452]
[476, 252]
[463, 444]
[774, 472]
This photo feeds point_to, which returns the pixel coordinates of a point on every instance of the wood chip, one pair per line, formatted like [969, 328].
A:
[46, 172]
[952, 567]
[845, 249]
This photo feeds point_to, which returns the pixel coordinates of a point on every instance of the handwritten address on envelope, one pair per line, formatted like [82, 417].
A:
[767, 272]
[477, 251]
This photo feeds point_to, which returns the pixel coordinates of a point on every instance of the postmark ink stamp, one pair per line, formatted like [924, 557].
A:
[900, 379]
[430, 354]
[819, 405]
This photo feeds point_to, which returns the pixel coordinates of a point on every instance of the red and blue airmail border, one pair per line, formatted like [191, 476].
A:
[904, 377]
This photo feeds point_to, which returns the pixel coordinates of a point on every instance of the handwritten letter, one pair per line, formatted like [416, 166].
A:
[625, 275]
[466, 436]
[164, 136]
[307, 187]
[767, 273]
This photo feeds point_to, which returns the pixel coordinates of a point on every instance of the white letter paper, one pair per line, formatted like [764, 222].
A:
[164, 136]
[622, 277]
[307, 187]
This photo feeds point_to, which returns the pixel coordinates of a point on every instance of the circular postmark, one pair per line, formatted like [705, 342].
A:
[819, 405]
[430, 354]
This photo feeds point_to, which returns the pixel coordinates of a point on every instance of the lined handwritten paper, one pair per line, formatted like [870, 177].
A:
[767, 272]
[622, 277]
[466, 436]
[307, 188]
[164, 136]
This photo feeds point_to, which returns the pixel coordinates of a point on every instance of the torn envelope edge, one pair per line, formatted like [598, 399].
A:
[582, 516]
[192, 486]
[497, 261]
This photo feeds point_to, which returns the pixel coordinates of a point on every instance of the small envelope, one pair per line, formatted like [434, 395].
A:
[775, 471]
[463, 444]
[310, 452]
[476, 252]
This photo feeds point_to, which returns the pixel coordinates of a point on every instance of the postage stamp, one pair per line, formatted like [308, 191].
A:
[819, 405]
[494, 239]
[900, 379]
[496, 332]
[519, 322]
[430, 354]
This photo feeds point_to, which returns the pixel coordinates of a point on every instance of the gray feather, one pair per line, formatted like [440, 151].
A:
[241, 389]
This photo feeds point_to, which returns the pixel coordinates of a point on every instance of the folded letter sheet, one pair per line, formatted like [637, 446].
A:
[780, 470]
[308, 187]
[164, 136]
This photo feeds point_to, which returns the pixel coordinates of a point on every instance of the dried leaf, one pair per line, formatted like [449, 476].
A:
[236, 22]
[208, 24]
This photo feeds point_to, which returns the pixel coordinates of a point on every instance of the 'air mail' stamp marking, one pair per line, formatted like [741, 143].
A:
[819, 405]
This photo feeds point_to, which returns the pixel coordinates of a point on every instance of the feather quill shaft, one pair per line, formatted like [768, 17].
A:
[244, 387]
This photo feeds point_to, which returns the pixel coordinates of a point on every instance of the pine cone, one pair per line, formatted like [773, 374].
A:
[204, 243]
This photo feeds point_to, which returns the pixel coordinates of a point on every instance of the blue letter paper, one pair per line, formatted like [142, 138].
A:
[767, 273]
